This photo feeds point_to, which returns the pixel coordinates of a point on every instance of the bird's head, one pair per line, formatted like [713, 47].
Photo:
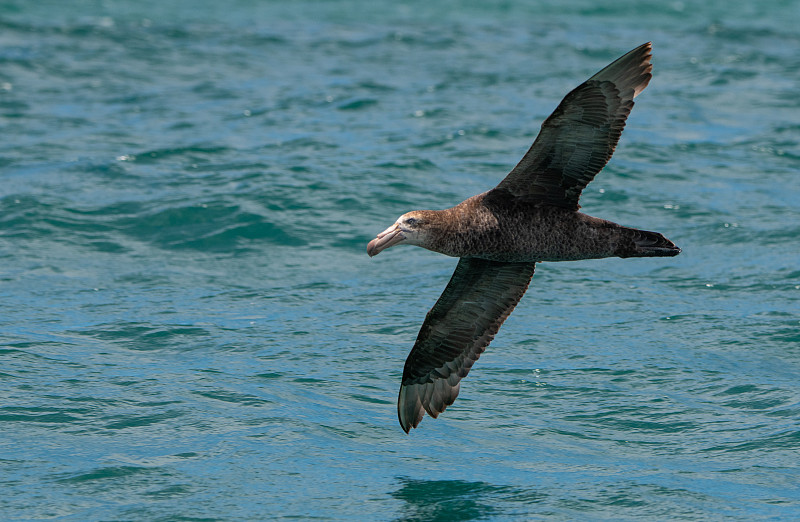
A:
[412, 228]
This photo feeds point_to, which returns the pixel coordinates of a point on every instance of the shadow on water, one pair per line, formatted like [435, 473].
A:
[455, 499]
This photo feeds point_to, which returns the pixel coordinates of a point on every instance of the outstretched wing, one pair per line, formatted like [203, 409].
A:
[479, 297]
[578, 139]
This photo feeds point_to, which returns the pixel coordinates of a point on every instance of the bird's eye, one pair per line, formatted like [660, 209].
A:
[412, 222]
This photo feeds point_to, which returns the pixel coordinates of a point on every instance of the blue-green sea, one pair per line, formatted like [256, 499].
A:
[191, 329]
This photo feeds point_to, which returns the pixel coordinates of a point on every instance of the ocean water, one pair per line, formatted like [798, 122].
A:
[191, 328]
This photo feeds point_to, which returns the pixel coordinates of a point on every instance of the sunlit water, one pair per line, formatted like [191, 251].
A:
[191, 328]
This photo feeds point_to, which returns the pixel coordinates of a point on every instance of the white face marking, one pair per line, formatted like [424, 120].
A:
[413, 228]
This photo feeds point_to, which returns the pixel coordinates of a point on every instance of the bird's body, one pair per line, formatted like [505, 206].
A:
[498, 226]
[500, 235]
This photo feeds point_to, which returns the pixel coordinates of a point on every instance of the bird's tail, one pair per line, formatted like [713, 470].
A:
[643, 243]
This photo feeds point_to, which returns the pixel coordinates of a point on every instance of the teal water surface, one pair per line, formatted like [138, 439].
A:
[191, 327]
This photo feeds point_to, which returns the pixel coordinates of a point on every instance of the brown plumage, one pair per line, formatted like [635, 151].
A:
[500, 235]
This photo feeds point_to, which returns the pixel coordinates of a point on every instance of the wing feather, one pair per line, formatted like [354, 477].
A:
[578, 139]
[479, 297]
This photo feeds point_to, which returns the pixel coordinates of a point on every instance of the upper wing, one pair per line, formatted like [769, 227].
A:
[459, 327]
[578, 139]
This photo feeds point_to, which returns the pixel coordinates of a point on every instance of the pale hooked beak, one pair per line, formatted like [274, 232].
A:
[389, 237]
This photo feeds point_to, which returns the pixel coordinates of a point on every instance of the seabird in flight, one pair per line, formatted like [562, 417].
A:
[500, 235]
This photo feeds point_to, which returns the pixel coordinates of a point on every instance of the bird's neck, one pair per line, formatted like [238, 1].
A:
[453, 230]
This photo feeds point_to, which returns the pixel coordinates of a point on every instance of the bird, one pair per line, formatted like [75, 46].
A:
[531, 216]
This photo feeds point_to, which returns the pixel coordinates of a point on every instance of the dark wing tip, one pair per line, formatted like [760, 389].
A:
[409, 406]
[432, 397]
[632, 70]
